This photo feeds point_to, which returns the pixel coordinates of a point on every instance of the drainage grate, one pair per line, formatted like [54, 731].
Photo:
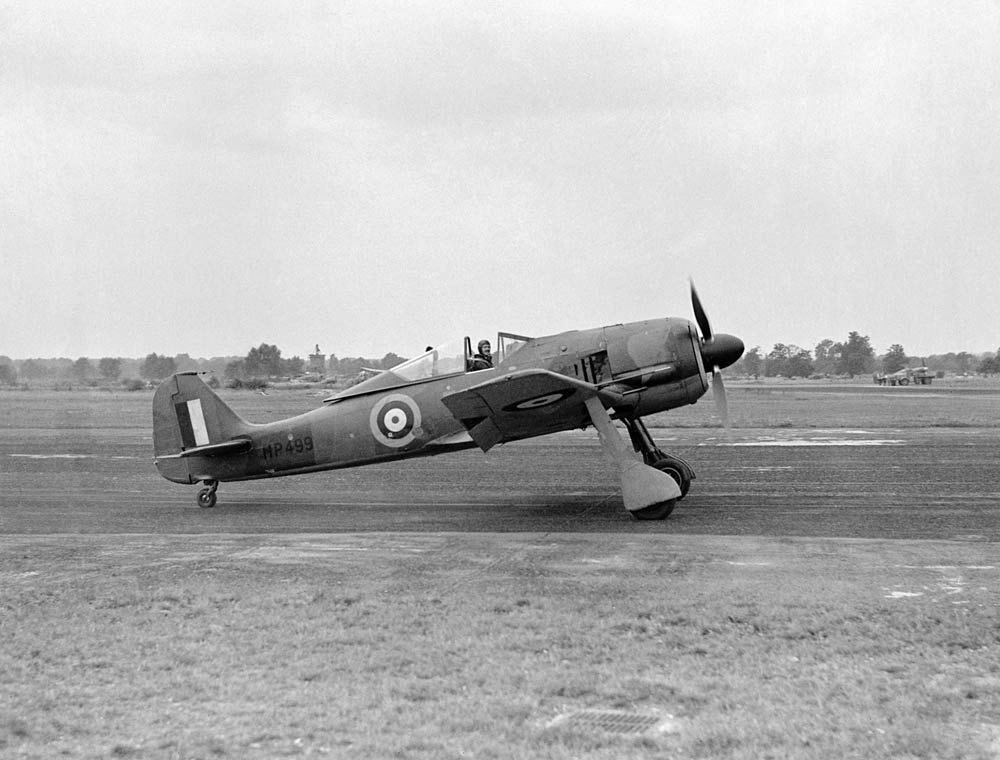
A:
[615, 721]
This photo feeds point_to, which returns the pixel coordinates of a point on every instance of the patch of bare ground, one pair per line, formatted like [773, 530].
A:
[435, 646]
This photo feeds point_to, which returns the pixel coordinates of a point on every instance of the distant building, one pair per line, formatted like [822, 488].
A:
[317, 362]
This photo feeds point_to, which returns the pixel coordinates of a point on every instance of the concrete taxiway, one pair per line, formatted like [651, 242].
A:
[922, 483]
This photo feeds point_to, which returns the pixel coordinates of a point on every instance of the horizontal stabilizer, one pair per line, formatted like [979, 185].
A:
[237, 446]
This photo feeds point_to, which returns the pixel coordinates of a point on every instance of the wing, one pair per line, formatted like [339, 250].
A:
[523, 404]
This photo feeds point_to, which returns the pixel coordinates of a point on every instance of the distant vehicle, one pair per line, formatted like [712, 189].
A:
[443, 401]
[915, 375]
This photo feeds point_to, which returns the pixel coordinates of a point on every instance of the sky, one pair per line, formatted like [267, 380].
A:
[371, 176]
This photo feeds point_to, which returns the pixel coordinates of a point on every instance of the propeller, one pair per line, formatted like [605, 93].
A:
[699, 314]
[719, 394]
[717, 350]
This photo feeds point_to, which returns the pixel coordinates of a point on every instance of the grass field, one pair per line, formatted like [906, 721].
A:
[973, 402]
[811, 404]
[456, 645]
[469, 646]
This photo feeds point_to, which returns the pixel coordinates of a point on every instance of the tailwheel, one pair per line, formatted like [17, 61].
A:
[659, 511]
[206, 496]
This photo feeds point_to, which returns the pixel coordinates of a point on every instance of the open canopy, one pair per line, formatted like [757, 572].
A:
[452, 358]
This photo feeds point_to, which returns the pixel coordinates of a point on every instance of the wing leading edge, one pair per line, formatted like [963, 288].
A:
[523, 404]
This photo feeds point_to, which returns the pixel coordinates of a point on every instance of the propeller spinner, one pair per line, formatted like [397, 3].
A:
[718, 350]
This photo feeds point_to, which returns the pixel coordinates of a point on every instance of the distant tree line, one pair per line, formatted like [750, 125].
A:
[264, 363]
[855, 356]
[109, 370]
[261, 364]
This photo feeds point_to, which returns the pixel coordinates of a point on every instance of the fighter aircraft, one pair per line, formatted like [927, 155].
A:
[449, 398]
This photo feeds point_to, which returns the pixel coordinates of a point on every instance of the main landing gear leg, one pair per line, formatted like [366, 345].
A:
[648, 493]
[206, 496]
[675, 467]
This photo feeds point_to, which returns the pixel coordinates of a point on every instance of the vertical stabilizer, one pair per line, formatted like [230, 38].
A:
[187, 414]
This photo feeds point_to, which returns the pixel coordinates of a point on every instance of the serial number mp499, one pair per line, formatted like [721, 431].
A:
[288, 448]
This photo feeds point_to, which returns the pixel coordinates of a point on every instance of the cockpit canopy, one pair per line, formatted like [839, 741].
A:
[454, 357]
[446, 359]
[451, 358]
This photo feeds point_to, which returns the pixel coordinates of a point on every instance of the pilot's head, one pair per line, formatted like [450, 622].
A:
[484, 347]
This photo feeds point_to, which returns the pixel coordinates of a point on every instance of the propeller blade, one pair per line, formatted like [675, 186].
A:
[717, 351]
[699, 314]
[719, 392]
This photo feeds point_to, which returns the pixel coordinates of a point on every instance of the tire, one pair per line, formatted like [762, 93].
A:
[674, 470]
[659, 511]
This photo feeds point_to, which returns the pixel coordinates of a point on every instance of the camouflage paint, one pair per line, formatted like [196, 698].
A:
[652, 366]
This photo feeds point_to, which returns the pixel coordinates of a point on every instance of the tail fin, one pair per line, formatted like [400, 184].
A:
[188, 415]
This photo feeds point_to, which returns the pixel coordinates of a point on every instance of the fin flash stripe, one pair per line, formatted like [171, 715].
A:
[191, 419]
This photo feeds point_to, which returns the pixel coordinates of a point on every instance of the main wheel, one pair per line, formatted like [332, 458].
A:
[674, 470]
[206, 498]
[658, 511]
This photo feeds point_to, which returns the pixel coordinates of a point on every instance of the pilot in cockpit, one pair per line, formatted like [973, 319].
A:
[483, 358]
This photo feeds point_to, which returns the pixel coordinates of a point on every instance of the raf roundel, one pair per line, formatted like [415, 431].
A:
[539, 401]
[394, 419]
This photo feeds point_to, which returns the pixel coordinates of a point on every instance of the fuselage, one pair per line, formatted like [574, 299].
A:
[650, 366]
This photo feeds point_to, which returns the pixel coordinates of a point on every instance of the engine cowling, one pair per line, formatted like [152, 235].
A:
[656, 364]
